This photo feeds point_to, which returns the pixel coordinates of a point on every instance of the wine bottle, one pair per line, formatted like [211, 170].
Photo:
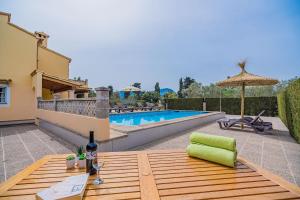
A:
[91, 155]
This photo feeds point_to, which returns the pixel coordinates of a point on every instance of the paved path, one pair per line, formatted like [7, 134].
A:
[22, 145]
[277, 151]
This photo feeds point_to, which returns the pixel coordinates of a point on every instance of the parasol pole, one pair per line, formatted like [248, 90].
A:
[242, 103]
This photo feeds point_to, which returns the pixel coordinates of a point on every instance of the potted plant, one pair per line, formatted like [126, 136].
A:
[70, 162]
[79, 151]
[81, 161]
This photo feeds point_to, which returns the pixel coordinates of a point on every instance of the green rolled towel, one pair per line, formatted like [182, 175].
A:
[213, 141]
[213, 154]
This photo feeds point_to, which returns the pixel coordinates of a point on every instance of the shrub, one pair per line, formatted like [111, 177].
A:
[253, 105]
[289, 108]
[282, 106]
[185, 104]
[151, 97]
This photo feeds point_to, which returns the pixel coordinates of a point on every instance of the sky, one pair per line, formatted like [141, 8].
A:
[119, 42]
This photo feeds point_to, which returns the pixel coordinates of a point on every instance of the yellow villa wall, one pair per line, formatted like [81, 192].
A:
[77, 123]
[53, 64]
[17, 60]
[19, 57]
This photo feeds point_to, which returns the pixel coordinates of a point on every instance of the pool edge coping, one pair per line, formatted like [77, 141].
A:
[132, 129]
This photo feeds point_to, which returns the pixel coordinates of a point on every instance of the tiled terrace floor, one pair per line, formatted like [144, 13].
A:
[277, 151]
[21, 145]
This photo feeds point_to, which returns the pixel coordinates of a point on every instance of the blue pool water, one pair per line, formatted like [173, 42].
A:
[135, 119]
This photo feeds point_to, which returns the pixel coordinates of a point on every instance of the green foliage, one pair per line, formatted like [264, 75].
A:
[183, 85]
[289, 107]
[211, 91]
[212, 104]
[170, 95]
[82, 156]
[282, 85]
[130, 100]
[92, 94]
[79, 150]
[187, 82]
[179, 93]
[111, 90]
[185, 104]
[157, 88]
[70, 157]
[193, 91]
[151, 97]
[114, 99]
[281, 99]
[77, 78]
[253, 105]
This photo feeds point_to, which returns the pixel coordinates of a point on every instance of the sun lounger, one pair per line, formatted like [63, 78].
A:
[125, 108]
[255, 123]
[140, 106]
[114, 108]
[152, 106]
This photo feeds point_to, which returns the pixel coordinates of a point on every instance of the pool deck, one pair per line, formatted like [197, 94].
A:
[278, 152]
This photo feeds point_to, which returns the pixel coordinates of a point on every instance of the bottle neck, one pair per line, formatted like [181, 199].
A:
[91, 137]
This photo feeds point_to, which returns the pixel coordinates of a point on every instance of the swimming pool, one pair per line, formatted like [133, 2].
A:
[136, 119]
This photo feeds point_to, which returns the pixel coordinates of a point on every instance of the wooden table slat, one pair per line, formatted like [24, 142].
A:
[227, 193]
[147, 183]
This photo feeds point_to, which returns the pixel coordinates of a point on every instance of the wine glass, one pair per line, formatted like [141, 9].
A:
[98, 180]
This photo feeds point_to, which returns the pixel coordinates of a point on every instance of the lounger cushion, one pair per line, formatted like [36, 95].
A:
[213, 154]
[213, 141]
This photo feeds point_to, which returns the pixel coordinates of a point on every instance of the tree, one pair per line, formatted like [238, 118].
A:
[187, 82]
[157, 88]
[111, 90]
[77, 78]
[170, 95]
[193, 91]
[92, 93]
[138, 85]
[211, 91]
[151, 97]
[114, 99]
[130, 100]
[179, 93]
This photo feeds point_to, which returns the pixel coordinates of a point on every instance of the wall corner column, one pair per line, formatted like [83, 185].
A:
[102, 113]
[39, 85]
[102, 103]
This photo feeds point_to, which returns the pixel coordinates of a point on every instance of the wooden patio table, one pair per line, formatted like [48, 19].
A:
[157, 174]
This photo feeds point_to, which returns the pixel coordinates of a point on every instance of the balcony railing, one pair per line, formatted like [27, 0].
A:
[85, 107]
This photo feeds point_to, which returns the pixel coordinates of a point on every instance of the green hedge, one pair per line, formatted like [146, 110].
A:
[185, 104]
[253, 105]
[289, 108]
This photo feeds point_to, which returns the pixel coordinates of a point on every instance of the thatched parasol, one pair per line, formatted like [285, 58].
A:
[246, 79]
[131, 89]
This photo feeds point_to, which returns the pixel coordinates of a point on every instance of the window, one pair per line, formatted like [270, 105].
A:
[3, 95]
